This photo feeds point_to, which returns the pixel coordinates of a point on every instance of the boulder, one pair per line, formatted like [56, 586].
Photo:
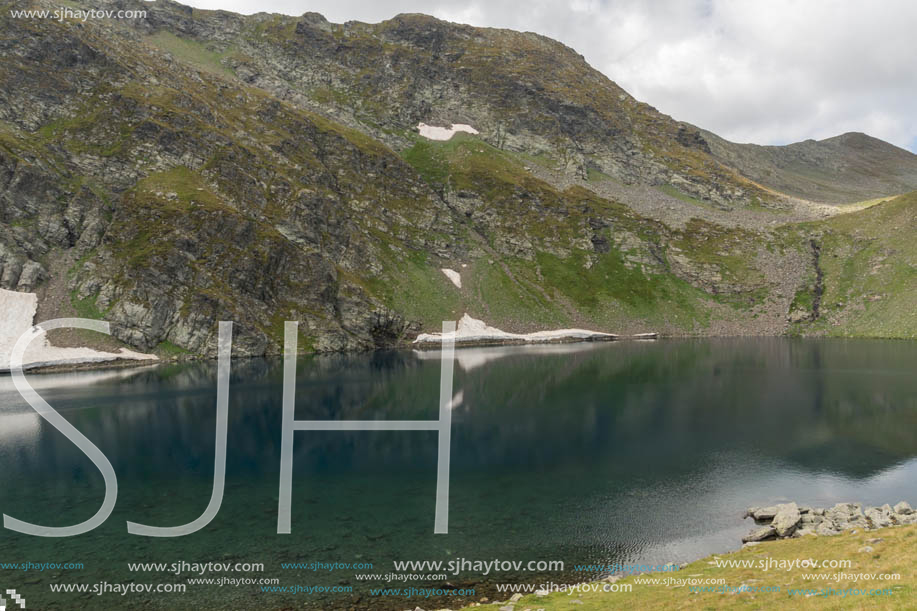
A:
[810, 519]
[879, 517]
[760, 534]
[764, 514]
[826, 529]
[786, 519]
[903, 508]
[846, 516]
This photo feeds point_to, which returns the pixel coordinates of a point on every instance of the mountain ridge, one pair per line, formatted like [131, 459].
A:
[846, 168]
[200, 166]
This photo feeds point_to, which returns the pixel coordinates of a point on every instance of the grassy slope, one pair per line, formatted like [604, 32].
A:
[869, 261]
[559, 279]
[893, 555]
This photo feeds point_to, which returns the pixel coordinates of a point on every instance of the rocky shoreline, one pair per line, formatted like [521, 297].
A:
[786, 521]
[791, 520]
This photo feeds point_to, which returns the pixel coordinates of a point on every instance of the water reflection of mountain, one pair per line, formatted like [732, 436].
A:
[641, 409]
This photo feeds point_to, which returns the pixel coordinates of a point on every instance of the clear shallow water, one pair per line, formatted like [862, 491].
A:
[589, 453]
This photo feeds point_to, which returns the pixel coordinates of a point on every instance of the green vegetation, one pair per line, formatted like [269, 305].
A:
[611, 289]
[869, 260]
[273, 186]
[893, 554]
[594, 175]
[429, 159]
[417, 289]
[613, 292]
[167, 349]
[192, 52]
[679, 194]
[86, 307]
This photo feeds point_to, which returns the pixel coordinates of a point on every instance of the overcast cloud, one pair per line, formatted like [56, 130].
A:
[769, 72]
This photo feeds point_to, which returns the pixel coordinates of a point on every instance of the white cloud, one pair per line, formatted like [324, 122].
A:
[767, 72]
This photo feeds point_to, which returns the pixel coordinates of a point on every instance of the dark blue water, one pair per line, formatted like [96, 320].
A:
[589, 454]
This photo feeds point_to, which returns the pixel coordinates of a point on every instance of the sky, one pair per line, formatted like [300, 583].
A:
[764, 71]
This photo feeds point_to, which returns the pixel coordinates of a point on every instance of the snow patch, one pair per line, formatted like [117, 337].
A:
[432, 132]
[17, 310]
[472, 330]
[454, 276]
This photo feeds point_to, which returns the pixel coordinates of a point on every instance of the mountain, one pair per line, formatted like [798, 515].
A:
[843, 169]
[193, 166]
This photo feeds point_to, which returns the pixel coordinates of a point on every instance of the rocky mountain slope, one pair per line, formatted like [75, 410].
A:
[194, 166]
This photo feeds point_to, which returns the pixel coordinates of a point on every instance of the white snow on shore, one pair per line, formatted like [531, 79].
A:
[432, 132]
[471, 330]
[454, 276]
[17, 311]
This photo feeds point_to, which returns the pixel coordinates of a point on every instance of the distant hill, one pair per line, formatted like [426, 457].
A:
[846, 168]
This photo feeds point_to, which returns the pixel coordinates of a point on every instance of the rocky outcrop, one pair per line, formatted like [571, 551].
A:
[786, 519]
[790, 520]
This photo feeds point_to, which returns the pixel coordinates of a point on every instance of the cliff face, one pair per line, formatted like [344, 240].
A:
[169, 172]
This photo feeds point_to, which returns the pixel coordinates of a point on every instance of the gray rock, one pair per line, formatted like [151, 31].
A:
[826, 529]
[32, 274]
[903, 508]
[846, 516]
[811, 519]
[515, 597]
[879, 517]
[786, 519]
[864, 550]
[760, 534]
[764, 514]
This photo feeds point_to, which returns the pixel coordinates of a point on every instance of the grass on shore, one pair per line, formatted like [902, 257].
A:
[894, 554]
